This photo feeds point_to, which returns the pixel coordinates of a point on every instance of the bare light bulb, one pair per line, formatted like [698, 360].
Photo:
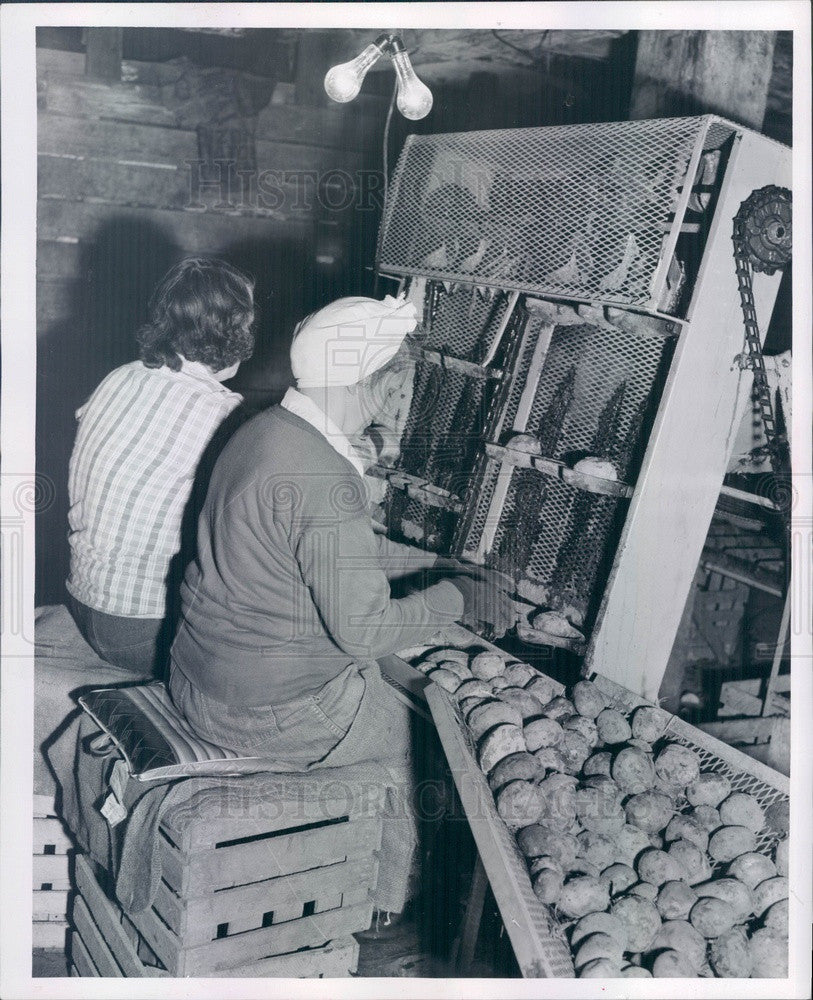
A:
[414, 98]
[343, 82]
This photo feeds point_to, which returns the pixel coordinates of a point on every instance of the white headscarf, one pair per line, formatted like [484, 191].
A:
[349, 339]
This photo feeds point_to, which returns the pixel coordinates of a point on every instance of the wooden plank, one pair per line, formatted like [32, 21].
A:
[80, 956]
[337, 959]
[66, 135]
[103, 914]
[318, 929]
[196, 920]
[282, 855]
[49, 933]
[539, 944]
[49, 832]
[753, 729]
[51, 869]
[336, 126]
[50, 904]
[94, 938]
[196, 232]
[103, 49]
[688, 450]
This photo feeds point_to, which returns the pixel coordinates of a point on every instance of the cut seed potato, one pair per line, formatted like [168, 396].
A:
[445, 678]
[521, 766]
[499, 743]
[489, 714]
[588, 699]
[486, 666]
[559, 708]
[613, 727]
[519, 803]
[471, 688]
[541, 733]
[584, 727]
[526, 704]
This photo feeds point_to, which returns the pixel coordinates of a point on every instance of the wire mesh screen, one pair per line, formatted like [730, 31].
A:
[451, 408]
[578, 211]
[595, 396]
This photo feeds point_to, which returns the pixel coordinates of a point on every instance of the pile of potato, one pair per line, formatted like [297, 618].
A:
[650, 863]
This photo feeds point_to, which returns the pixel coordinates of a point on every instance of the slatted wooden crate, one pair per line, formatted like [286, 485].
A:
[238, 892]
[52, 858]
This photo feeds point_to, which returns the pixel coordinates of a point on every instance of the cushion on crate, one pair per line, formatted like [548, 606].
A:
[155, 741]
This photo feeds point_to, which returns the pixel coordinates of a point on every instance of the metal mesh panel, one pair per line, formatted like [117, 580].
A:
[577, 211]
[464, 322]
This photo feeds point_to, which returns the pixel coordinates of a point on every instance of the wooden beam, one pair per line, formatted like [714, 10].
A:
[103, 51]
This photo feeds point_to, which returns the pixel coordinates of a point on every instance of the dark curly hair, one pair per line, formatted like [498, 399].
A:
[203, 309]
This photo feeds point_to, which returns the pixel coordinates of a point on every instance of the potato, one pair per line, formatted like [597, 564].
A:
[600, 968]
[519, 674]
[519, 803]
[595, 946]
[630, 841]
[657, 867]
[598, 922]
[489, 714]
[777, 816]
[752, 868]
[584, 727]
[499, 743]
[670, 964]
[458, 669]
[588, 699]
[562, 847]
[620, 877]
[550, 758]
[486, 665]
[468, 703]
[536, 840]
[542, 732]
[635, 972]
[741, 809]
[499, 683]
[640, 920]
[650, 811]
[597, 850]
[680, 936]
[554, 623]
[769, 954]
[526, 704]
[730, 842]
[472, 689]
[559, 791]
[677, 765]
[612, 727]
[731, 891]
[521, 766]
[448, 655]
[675, 900]
[559, 708]
[771, 891]
[708, 789]
[646, 890]
[574, 749]
[692, 862]
[730, 956]
[599, 810]
[682, 827]
[776, 917]
[712, 917]
[445, 678]
[598, 763]
[547, 885]
[541, 687]
[781, 857]
[633, 770]
[707, 816]
[583, 894]
[648, 723]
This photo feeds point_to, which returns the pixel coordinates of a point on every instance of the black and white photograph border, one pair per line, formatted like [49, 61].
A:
[300, 153]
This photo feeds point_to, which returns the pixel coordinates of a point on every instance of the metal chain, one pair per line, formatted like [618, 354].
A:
[752, 356]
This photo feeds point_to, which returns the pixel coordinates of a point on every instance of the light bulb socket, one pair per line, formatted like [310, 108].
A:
[395, 44]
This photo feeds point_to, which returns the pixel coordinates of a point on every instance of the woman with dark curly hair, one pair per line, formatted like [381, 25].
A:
[139, 442]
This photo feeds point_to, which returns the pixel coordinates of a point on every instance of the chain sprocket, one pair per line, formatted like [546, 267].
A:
[762, 242]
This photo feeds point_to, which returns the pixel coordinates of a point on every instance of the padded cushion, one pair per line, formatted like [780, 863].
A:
[154, 740]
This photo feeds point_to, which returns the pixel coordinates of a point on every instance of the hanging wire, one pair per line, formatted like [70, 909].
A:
[386, 142]
[518, 48]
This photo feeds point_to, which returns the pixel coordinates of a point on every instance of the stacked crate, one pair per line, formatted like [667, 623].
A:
[52, 850]
[247, 896]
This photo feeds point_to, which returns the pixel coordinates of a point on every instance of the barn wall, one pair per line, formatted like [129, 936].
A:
[118, 204]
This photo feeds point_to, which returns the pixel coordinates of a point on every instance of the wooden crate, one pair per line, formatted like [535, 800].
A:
[237, 890]
[51, 875]
[101, 946]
